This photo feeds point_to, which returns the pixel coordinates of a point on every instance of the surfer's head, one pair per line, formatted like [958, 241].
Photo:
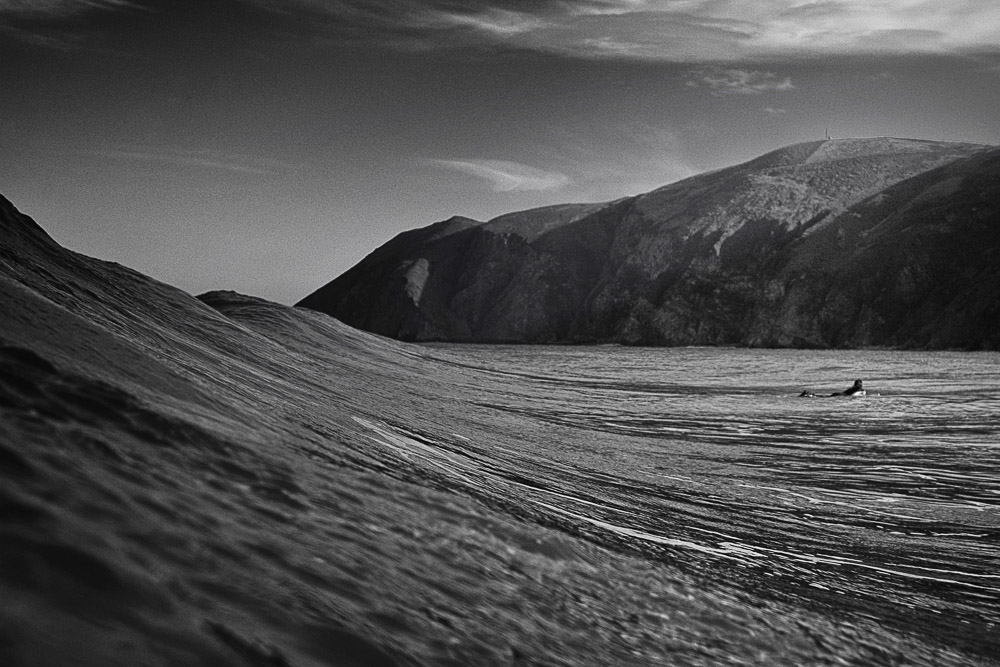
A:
[857, 390]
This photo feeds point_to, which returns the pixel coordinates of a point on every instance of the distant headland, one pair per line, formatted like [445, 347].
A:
[879, 242]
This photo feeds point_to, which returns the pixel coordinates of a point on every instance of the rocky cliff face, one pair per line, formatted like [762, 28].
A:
[845, 243]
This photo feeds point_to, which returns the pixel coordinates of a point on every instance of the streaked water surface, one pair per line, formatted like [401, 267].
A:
[271, 487]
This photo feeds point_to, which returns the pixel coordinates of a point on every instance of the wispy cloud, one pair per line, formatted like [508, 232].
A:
[49, 23]
[672, 30]
[629, 159]
[774, 111]
[739, 81]
[61, 8]
[720, 31]
[500, 23]
[504, 176]
[199, 159]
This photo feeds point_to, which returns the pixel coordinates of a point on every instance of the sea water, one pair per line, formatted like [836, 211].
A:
[274, 488]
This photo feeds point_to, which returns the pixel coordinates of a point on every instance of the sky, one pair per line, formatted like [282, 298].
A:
[266, 146]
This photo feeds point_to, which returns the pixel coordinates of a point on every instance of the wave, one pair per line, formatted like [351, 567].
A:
[223, 480]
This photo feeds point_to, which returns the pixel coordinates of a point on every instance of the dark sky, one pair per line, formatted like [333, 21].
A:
[268, 145]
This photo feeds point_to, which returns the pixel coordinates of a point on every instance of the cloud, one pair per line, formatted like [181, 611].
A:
[53, 23]
[500, 23]
[28, 9]
[628, 159]
[683, 31]
[200, 159]
[775, 112]
[504, 176]
[739, 81]
[671, 30]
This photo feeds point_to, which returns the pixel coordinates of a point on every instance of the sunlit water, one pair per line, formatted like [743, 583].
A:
[272, 488]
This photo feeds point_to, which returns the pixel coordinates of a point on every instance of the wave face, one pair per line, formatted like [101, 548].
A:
[227, 481]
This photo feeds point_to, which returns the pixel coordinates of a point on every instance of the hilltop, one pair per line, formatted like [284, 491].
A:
[837, 243]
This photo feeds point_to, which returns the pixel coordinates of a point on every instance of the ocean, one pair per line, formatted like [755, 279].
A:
[228, 481]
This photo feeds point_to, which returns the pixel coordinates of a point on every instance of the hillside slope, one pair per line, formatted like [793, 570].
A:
[844, 243]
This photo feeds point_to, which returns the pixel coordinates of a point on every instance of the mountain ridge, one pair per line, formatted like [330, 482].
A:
[709, 260]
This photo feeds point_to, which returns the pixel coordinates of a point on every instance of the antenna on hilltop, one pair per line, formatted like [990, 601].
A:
[828, 134]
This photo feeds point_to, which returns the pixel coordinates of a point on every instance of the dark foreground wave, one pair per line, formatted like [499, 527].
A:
[226, 481]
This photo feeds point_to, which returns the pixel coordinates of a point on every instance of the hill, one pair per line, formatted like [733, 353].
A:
[838, 243]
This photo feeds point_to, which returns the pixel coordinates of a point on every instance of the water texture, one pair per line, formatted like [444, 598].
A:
[250, 484]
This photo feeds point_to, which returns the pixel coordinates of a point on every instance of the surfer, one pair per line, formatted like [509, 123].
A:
[857, 389]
